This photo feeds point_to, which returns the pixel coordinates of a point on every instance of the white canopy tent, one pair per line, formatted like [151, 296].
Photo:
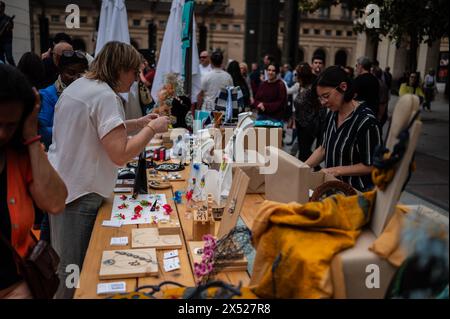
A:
[171, 54]
[113, 24]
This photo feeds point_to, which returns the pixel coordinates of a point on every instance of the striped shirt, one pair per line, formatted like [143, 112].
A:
[352, 143]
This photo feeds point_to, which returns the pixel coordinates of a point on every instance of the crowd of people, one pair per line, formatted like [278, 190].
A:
[65, 121]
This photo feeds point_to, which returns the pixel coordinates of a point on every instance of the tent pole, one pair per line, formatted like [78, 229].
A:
[188, 60]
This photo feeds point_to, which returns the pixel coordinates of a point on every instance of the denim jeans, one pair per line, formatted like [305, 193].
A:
[70, 235]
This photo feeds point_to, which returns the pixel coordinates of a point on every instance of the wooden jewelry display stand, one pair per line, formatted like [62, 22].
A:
[229, 220]
[203, 223]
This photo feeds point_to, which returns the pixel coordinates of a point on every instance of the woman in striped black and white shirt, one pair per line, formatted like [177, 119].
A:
[351, 133]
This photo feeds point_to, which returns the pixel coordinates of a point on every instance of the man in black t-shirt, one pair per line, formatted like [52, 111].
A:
[366, 85]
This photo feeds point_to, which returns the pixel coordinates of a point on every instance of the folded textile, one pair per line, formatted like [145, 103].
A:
[295, 244]
[388, 244]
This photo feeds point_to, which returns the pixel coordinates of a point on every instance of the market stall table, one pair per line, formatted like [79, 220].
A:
[101, 238]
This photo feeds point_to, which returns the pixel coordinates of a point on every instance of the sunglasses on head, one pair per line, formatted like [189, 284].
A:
[70, 53]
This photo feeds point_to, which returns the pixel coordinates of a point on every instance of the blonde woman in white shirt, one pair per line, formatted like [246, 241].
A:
[90, 142]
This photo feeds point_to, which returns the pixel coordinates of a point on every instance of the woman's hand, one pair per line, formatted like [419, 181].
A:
[333, 171]
[30, 126]
[143, 121]
[261, 106]
[160, 125]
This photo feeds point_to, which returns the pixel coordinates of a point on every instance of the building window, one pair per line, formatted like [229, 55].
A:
[281, 30]
[83, 19]
[328, 32]
[237, 28]
[317, 31]
[162, 24]
[349, 33]
[324, 12]
[346, 13]
[213, 27]
[225, 27]
[305, 31]
[338, 33]
[54, 18]
[136, 22]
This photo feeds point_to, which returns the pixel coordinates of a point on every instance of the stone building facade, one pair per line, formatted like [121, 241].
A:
[329, 31]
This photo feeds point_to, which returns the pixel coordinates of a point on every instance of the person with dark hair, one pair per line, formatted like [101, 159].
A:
[213, 82]
[384, 96]
[234, 70]
[288, 75]
[268, 59]
[388, 78]
[6, 36]
[50, 59]
[352, 132]
[255, 78]
[412, 86]
[307, 109]
[27, 180]
[317, 64]
[366, 86]
[430, 89]
[30, 64]
[271, 99]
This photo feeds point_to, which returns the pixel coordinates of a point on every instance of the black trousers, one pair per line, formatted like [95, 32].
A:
[306, 139]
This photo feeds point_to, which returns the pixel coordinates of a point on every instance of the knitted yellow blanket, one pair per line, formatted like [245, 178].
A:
[295, 244]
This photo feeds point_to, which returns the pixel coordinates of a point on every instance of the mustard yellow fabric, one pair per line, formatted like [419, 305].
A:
[178, 293]
[406, 89]
[388, 245]
[303, 240]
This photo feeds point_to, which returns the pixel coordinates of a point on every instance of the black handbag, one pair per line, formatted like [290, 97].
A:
[39, 268]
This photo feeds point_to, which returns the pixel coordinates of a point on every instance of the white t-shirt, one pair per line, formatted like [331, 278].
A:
[85, 113]
[212, 83]
[205, 69]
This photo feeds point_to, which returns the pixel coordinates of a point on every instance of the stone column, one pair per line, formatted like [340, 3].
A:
[251, 31]
[428, 57]
[291, 32]
[268, 27]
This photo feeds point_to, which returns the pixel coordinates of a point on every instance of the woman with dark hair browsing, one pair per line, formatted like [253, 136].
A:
[30, 64]
[271, 98]
[90, 141]
[26, 177]
[234, 70]
[307, 109]
[351, 134]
